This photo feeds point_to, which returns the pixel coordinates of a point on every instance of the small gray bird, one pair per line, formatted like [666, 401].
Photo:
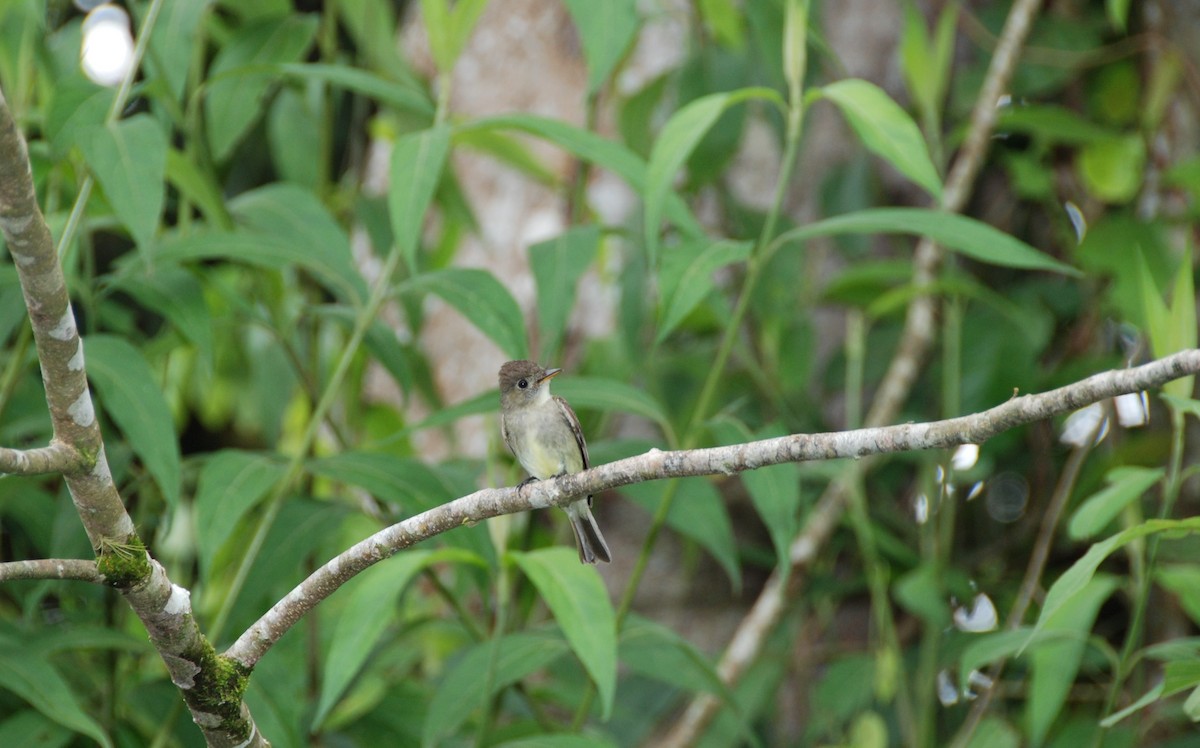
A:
[543, 434]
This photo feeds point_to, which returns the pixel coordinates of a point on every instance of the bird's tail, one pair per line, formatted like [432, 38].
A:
[588, 539]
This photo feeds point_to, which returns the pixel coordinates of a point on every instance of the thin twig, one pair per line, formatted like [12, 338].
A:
[656, 464]
[80, 570]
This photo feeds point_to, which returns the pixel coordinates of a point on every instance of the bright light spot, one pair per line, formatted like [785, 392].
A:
[1004, 101]
[982, 616]
[940, 476]
[947, 693]
[978, 680]
[965, 457]
[921, 508]
[1078, 222]
[107, 54]
[1132, 409]
[975, 491]
[1083, 423]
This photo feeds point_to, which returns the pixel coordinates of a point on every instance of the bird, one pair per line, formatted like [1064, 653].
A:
[543, 433]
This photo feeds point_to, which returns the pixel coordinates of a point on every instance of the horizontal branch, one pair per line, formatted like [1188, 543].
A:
[55, 458]
[656, 464]
[80, 570]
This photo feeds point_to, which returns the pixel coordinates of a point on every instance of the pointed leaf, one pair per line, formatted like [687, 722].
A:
[367, 614]
[597, 150]
[606, 29]
[129, 159]
[483, 300]
[1054, 664]
[1126, 485]
[231, 484]
[404, 482]
[698, 513]
[366, 83]
[886, 130]
[266, 250]
[243, 71]
[679, 137]
[967, 236]
[687, 277]
[610, 395]
[174, 293]
[449, 29]
[39, 683]
[129, 393]
[295, 217]
[577, 598]
[1074, 579]
[466, 686]
[417, 163]
[558, 264]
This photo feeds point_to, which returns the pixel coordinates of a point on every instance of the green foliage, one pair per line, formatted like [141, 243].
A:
[242, 296]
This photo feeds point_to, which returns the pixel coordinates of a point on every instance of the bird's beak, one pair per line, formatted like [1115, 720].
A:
[550, 374]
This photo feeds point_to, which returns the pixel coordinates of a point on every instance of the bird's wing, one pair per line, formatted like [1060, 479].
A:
[573, 420]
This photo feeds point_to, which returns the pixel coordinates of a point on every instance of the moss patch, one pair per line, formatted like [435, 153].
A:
[123, 564]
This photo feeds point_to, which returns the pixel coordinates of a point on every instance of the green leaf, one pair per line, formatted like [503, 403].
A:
[1112, 169]
[128, 390]
[1148, 698]
[467, 683]
[417, 163]
[174, 293]
[294, 135]
[1126, 485]
[795, 48]
[129, 160]
[231, 484]
[366, 615]
[698, 513]
[967, 236]
[244, 70]
[366, 83]
[606, 29]
[1076, 578]
[1055, 664]
[30, 728]
[576, 596]
[448, 29]
[1182, 327]
[40, 684]
[172, 45]
[1053, 125]
[995, 732]
[656, 652]
[1182, 580]
[483, 300]
[611, 395]
[687, 277]
[558, 264]
[922, 593]
[407, 483]
[886, 130]
[198, 187]
[925, 61]
[679, 137]
[293, 216]
[594, 149]
[484, 402]
[266, 250]
[774, 490]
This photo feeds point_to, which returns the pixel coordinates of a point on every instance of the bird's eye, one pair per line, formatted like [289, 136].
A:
[522, 384]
